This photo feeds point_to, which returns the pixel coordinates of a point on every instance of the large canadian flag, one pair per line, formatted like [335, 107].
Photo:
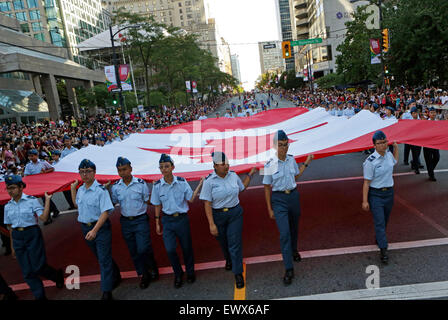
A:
[247, 142]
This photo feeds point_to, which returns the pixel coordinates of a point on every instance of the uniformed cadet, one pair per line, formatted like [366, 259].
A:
[28, 245]
[431, 155]
[84, 142]
[224, 213]
[133, 196]
[94, 206]
[55, 157]
[37, 166]
[6, 293]
[378, 192]
[283, 201]
[68, 147]
[169, 196]
[415, 150]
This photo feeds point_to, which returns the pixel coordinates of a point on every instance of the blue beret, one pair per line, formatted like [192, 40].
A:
[432, 109]
[56, 152]
[13, 179]
[84, 138]
[122, 162]
[86, 164]
[391, 109]
[33, 151]
[379, 135]
[165, 158]
[219, 157]
[375, 106]
[66, 137]
[280, 135]
[120, 132]
[414, 109]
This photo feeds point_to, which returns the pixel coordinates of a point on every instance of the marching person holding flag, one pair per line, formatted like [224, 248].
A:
[169, 196]
[224, 213]
[133, 196]
[282, 199]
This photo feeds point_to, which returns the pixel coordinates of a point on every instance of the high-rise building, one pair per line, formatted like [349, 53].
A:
[189, 15]
[236, 71]
[322, 19]
[64, 23]
[286, 13]
[271, 57]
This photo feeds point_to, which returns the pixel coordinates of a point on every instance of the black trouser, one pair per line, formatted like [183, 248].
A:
[68, 197]
[415, 163]
[432, 157]
[407, 149]
[53, 207]
[4, 289]
[6, 241]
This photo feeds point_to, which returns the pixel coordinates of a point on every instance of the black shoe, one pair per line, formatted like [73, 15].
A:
[117, 281]
[60, 279]
[420, 167]
[406, 163]
[107, 295]
[154, 274]
[384, 256]
[287, 279]
[239, 281]
[417, 171]
[228, 265]
[178, 281]
[71, 208]
[191, 278]
[296, 257]
[10, 295]
[49, 220]
[8, 251]
[432, 179]
[55, 214]
[145, 280]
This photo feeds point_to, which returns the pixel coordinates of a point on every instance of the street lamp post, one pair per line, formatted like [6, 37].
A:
[115, 60]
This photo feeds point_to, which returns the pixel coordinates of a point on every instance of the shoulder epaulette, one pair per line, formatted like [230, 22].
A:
[157, 182]
[31, 197]
[117, 182]
[102, 187]
[180, 179]
[267, 163]
[140, 180]
[371, 158]
[208, 176]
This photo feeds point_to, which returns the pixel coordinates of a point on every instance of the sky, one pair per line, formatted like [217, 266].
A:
[244, 23]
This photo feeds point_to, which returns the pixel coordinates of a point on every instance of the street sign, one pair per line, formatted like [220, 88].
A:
[269, 46]
[305, 41]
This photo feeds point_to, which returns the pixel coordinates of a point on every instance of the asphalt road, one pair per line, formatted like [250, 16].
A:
[336, 240]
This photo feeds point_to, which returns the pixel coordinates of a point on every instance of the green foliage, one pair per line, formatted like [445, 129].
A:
[330, 80]
[180, 97]
[157, 98]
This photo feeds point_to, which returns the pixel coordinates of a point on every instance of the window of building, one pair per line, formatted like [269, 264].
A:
[39, 36]
[48, 3]
[181, 17]
[19, 5]
[21, 16]
[5, 6]
[180, 10]
[24, 27]
[189, 16]
[36, 26]
[188, 3]
[32, 4]
[34, 15]
[180, 4]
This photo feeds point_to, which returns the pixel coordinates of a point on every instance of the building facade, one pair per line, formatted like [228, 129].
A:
[236, 70]
[285, 10]
[271, 57]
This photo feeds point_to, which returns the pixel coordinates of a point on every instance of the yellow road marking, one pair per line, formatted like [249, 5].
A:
[240, 294]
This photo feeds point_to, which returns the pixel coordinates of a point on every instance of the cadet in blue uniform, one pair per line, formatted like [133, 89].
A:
[68, 147]
[224, 213]
[28, 245]
[169, 196]
[133, 196]
[94, 206]
[415, 150]
[283, 203]
[37, 166]
[431, 155]
[378, 192]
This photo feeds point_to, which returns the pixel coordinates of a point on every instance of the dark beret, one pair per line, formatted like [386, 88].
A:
[13, 179]
[280, 135]
[165, 158]
[86, 164]
[219, 157]
[122, 162]
[379, 135]
[33, 151]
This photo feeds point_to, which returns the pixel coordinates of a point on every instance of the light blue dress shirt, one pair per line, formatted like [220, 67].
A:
[66, 151]
[379, 169]
[281, 174]
[23, 213]
[173, 197]
[35, 168]
[407, 116]
[132, 197]
[222, 192]
[93, 202]
[349, 112]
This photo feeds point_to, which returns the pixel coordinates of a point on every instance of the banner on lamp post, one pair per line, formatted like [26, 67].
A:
[125, 77]
[194, 86]
[375, 51]
[111, 79]
[188, 86]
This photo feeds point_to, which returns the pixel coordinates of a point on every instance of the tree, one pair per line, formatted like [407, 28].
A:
[330, 80]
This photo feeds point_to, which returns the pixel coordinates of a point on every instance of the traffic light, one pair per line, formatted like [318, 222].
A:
[286, 48]
[114, 100]
[385, 34]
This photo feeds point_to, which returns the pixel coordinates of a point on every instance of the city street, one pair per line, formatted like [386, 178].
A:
[336, 241]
